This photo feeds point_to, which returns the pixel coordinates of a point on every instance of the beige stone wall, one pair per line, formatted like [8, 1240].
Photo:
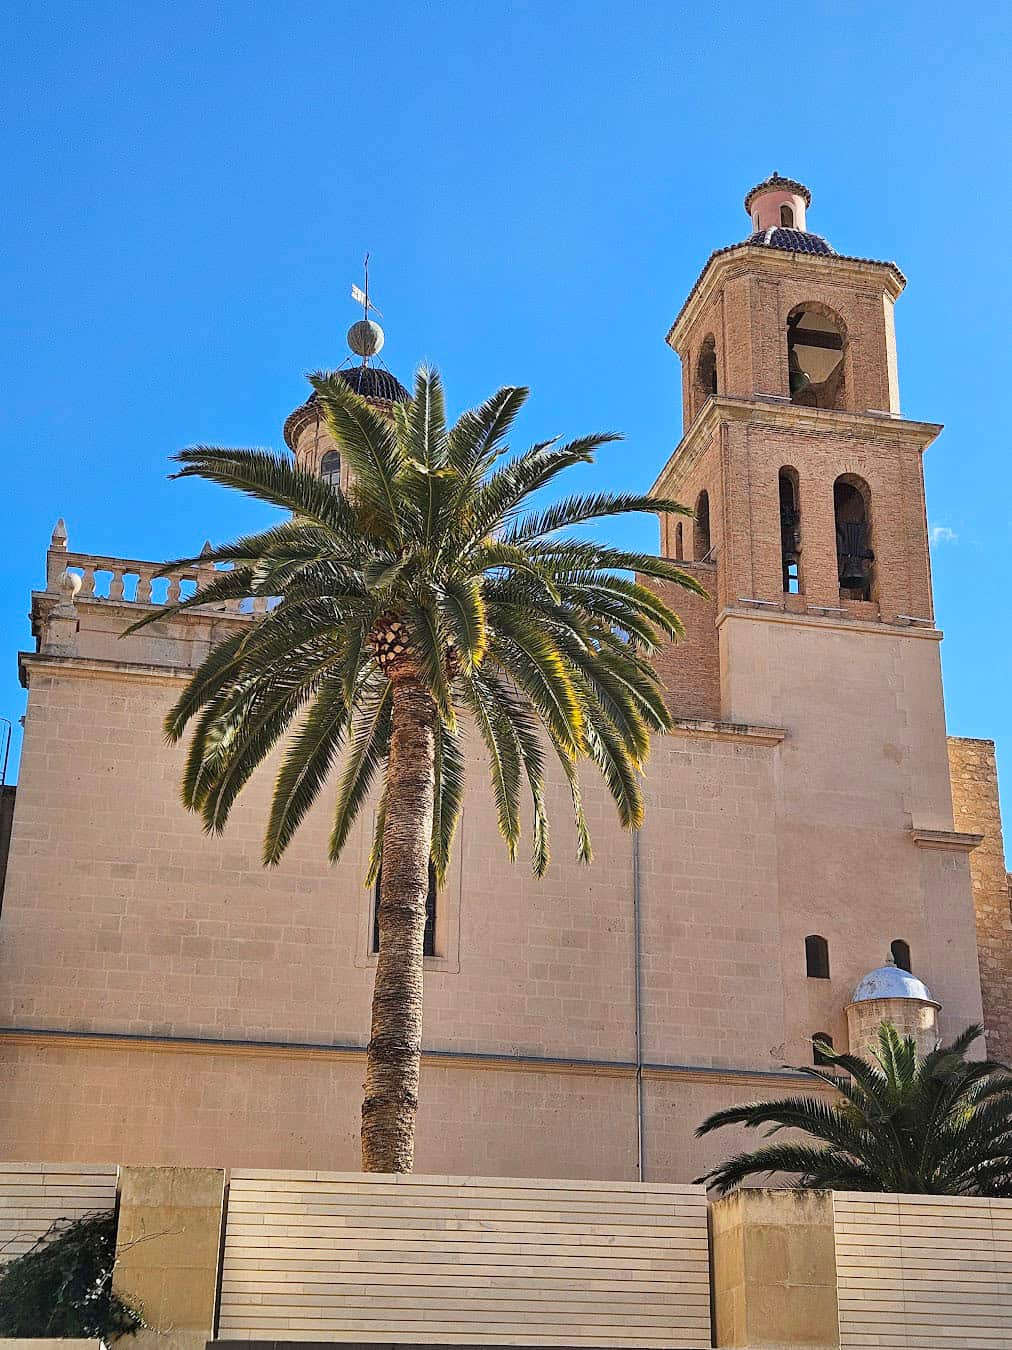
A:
[773, 1270]
[449, 1260]
[167, 1248]
[909, 1016]
[978, 811]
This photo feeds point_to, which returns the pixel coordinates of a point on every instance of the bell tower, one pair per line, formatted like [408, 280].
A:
[810, 536]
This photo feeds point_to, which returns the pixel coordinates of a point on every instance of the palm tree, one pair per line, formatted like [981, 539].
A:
[937, 1124]
[430, 593]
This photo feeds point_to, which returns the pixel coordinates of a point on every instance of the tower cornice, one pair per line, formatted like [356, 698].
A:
[786, 416]
[751, 259]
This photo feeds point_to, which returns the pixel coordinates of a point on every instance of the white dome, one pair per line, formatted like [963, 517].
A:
[892, 982]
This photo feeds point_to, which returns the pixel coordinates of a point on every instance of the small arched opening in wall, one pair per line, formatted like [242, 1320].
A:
[790, 530]
[701, 528]
[854, 554]
[679, 542]
[816, 341]
[901, 953]
[787, 216]
[819, 1056]
[706, 371]
[816, 957]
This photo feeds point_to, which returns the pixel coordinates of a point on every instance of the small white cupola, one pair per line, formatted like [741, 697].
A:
[891, 994]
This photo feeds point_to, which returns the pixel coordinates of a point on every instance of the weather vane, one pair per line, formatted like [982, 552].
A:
[365, 338]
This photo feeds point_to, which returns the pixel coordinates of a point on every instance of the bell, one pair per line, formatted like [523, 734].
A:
[852, 574]
[798, 381]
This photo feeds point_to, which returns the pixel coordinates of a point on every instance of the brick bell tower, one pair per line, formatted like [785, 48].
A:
[810, 536]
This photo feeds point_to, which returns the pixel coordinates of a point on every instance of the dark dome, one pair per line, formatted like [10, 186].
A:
[374, 382]
[368, 381]
[794, 241]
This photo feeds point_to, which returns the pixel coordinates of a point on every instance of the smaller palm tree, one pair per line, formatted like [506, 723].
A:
[934, 1124]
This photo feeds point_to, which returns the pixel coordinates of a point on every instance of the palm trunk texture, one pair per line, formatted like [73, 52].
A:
[395, 1041]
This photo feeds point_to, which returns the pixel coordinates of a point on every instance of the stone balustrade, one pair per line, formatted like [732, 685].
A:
[137, 581]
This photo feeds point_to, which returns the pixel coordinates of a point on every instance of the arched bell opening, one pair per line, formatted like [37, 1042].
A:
[854, 555]
[787, 216]
[701, 528]
[816, 339]
[706, 371]
[790, 531]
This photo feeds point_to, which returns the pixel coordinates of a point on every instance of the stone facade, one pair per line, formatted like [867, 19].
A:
[164, 1000]
[976, 808]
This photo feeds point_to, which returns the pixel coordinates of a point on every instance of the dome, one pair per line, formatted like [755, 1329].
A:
[373, 382]
[794, 241]
[370, 382]
[892, 982]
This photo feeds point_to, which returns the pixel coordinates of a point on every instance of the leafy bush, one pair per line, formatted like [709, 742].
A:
[62, 1286]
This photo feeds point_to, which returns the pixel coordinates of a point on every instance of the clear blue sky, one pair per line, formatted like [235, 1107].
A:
[189, 189]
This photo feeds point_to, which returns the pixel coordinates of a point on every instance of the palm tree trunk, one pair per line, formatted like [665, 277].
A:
[395, 1042]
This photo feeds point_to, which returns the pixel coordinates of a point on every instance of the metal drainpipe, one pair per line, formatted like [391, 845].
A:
[638, 968]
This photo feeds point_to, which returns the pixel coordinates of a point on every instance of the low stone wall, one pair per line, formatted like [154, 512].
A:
[929, 1271]
[34, 1195]
[445, 1260]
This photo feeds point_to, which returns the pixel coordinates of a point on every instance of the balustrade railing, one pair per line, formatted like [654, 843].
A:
[135, 581]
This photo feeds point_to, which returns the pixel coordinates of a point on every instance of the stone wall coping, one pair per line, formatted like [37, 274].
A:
[90, 666]
[783, 415]
[955, 841]
[726, 731]
[844, 624]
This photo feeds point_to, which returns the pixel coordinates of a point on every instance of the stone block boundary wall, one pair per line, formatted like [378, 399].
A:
[35, 1195]
[924, 1271]
[443, 1260]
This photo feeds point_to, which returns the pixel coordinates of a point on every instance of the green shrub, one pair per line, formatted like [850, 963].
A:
[62, 1286]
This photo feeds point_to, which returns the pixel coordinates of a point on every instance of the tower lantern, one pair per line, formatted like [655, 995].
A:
[778, 203]
[306, 434]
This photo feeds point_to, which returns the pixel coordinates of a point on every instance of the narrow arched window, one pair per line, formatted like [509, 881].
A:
[679, 542]
[429, 945]
[817, 957]
[701, 528]
[901, 953]
[854, 556]
[787, 216]
[819, 1055]
[330, 468]
[790, 531]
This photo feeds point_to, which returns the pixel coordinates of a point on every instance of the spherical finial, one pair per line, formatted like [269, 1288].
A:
[365, 338]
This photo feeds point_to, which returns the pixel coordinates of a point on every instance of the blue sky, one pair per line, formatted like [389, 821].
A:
[190, 188]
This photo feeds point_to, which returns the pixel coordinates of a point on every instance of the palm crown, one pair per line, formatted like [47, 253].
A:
[431, 593]
[937, 1124]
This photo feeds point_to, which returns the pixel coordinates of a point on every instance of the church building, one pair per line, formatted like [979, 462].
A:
[817, 854]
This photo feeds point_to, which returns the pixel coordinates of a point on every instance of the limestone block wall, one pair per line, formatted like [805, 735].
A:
[34, 1195]
[449, 1260]
[976, 809]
